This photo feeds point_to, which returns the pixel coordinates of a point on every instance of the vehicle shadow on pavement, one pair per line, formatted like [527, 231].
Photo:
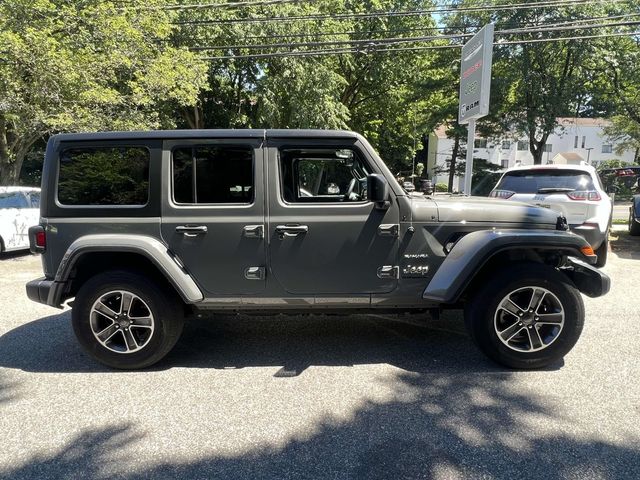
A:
[624, 245]
[455, 424]
[228, 342]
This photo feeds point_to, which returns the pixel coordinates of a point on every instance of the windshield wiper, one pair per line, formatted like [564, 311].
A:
[555, 189]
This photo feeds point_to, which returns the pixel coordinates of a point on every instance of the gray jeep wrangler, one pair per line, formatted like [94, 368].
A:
[140, 230]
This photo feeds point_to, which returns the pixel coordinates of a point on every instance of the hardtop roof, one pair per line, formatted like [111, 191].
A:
[206, 133]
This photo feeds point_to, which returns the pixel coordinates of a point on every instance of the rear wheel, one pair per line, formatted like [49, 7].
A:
[603, 251]
[530, 316]
[126, 321]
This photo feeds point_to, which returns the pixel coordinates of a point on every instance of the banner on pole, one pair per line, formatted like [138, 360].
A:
[475, 75]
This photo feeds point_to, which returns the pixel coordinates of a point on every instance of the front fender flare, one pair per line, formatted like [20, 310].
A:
[473, 250]
[149, 247]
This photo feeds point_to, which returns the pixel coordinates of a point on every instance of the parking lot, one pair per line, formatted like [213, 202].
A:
[321, 397]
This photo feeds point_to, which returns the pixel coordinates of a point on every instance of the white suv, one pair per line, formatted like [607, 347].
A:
[575, 191]
[19, 210]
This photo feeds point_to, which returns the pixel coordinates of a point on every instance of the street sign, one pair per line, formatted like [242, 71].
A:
[475, 75]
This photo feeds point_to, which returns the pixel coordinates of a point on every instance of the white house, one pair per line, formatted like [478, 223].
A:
[575, 140]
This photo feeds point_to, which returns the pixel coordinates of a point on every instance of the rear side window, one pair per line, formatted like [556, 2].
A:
[209, 174]
[104, 176]
[533, 181]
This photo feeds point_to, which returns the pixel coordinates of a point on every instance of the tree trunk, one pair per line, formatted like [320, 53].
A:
[454, 157]
[10, 171]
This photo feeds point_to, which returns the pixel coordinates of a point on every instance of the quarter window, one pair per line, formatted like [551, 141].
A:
[104, 176]
[210, 174]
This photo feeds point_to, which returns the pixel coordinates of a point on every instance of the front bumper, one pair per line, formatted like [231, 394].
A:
[591, 233]
[588, 279]
[45, 291]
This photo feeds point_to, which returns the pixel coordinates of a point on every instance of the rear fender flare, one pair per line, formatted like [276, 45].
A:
[150, 248]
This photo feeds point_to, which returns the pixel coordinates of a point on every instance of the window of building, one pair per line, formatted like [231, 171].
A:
[548, 147]
[323, 175]
[607, 148]
[506, 145]
[505, 163]
[104, 176]
[575, 142]
[209, 174]
[584, 141]
[480, 143]
[523, 146]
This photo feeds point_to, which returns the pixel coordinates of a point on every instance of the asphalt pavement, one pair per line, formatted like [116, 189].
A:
[362, 397]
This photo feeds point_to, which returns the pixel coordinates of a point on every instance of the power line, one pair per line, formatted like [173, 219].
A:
[198, 6]
[312, 53]
[381, 41]
[410, 13]
[420, 29]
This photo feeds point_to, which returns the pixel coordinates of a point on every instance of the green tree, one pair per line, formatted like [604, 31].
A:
[82, 66]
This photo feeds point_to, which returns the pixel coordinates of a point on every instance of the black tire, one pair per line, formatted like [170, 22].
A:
[482, 312]
[603, 251]
[634, 226]
[164, 308]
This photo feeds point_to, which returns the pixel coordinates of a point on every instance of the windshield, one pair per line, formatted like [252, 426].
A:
[534, 181]
[13, 200]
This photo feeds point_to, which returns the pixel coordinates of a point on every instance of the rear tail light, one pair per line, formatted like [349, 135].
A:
[585, 195]
[37, 239]
[504, 194]
[41, 240]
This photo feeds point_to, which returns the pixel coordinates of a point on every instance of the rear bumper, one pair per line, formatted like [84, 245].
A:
[588, 279]
[44, 291]
[591, 233]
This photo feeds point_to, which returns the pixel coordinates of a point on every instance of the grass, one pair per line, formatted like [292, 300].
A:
[620, 221]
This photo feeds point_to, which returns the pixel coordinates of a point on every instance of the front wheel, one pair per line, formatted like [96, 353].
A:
[528, 316]
[125, 320]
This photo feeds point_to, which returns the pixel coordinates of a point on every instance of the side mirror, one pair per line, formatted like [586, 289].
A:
[378, 190]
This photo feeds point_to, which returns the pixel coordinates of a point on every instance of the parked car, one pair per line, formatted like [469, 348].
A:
[409, 186]
[574, 191]
[634, 216]
[143, 229]
[19, 210]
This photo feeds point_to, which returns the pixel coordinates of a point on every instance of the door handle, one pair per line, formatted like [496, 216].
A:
[191, 230]
[291, 230]
[253, 231]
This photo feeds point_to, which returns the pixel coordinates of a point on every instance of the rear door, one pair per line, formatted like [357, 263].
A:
[213, 215]
[325, 238]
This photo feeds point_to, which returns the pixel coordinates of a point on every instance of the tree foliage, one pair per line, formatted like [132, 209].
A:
[84, 66]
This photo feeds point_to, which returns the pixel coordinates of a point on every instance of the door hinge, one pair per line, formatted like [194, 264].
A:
[254, 273]
[389, 230]
[388, 271]
[253, 231]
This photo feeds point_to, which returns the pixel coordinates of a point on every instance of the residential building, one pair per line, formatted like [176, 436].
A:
[575, 140]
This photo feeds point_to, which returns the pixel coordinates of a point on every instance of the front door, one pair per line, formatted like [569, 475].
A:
[325, 238]
[213, 212]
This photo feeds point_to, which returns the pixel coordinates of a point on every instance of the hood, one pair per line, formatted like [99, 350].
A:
[482, 210]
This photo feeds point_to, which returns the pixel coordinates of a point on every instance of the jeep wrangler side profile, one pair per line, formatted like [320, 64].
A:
[139, 230]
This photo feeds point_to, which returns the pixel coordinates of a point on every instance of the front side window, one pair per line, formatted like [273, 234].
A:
[323, 175]
[104, 176]
[210, 174]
